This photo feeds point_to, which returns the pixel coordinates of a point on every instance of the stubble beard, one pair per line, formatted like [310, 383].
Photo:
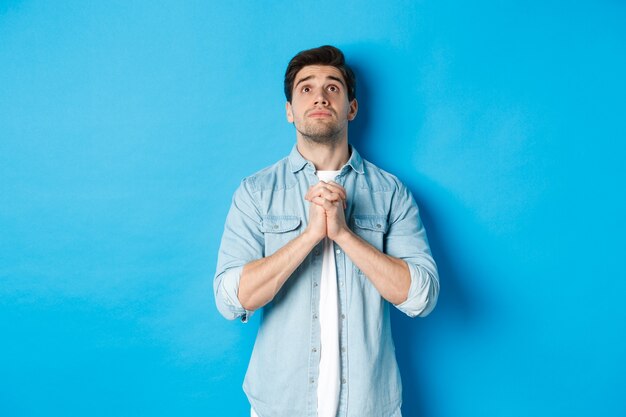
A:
[321, 133]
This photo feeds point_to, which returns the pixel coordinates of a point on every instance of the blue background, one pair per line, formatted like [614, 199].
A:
[126, 126]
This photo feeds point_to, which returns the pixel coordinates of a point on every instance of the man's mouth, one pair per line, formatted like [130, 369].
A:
[320, 114]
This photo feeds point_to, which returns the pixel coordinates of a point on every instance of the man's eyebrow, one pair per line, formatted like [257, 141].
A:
[339, 80]
[328, 77]
[303, 79]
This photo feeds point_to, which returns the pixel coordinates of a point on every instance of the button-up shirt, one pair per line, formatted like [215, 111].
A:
[268, 210]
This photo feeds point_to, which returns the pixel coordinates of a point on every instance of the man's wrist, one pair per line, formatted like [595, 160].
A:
[310, 238]
[343, 236]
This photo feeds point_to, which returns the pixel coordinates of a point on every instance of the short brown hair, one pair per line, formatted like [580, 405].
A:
[324, 55]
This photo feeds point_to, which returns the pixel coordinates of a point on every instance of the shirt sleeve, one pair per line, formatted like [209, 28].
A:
[406, 239]
[242, 242]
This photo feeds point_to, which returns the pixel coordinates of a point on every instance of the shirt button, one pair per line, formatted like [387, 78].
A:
[317, 253]
[343, 316]
[343, 381]
[314, 350]
[275, 226]
[312, 381]
[378, 226]
[315, 284]
[343, 349]
[340, 283]
[314, 316]
[338, 251]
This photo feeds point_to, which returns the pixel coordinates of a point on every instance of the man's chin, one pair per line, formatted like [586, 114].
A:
[321, 135]
[323, 140]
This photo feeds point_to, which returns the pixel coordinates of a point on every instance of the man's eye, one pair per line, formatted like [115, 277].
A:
[333, 88]
[306, 89]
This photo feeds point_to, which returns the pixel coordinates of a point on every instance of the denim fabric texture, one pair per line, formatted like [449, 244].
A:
[268, 210]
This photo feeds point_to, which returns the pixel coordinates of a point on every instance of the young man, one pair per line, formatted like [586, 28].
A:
[323, 242]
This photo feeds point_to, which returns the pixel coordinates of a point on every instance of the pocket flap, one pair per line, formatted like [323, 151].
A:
[279, 224]
[371, 222]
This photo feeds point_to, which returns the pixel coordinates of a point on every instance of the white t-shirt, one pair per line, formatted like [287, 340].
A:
[328, 379]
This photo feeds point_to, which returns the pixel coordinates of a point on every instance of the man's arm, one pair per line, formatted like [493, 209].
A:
[263, 278]
[245, 280]
[389, 275]
[406, 275]
[242, 242]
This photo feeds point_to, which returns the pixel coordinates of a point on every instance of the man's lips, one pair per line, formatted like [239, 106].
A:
[320, 114]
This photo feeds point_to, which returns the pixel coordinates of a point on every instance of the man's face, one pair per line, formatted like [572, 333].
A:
[319, 106]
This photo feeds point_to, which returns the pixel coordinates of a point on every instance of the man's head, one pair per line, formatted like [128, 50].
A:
[324, 55]
[320, 91]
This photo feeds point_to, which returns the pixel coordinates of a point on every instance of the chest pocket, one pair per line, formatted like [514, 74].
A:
[372, 228]
[278, 231]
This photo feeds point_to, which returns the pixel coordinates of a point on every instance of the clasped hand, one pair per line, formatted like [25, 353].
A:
[326, 213]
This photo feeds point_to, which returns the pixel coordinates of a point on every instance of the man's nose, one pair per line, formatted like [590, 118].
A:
[321, 98]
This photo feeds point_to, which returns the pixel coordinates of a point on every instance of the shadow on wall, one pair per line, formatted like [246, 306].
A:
[459, 309]
[460, 306]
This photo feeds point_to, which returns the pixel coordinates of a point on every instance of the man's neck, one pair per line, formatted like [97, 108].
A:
[325, 157]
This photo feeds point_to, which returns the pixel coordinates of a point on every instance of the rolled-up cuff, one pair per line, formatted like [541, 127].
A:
[423, 292]
[226, 298]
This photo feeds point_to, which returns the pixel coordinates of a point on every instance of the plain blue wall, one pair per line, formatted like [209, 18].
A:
[126, 126]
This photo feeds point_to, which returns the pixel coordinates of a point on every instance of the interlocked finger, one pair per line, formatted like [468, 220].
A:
[326, 204]
[326, 195]
[336, 188]
[330, 196]
[329, 187]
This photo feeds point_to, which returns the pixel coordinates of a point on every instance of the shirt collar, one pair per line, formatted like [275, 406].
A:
[297, 161]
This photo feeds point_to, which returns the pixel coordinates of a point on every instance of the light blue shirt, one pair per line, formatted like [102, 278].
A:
[269, 210]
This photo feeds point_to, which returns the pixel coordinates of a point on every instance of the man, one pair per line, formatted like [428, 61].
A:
[323, 242]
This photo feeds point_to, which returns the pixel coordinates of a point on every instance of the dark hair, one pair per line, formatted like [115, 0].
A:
[324, 55]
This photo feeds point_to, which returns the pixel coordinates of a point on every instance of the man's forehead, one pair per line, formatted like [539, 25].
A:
[320, 72]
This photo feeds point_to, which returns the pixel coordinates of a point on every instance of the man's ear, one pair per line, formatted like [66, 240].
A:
[354, 108]
[289, 112]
